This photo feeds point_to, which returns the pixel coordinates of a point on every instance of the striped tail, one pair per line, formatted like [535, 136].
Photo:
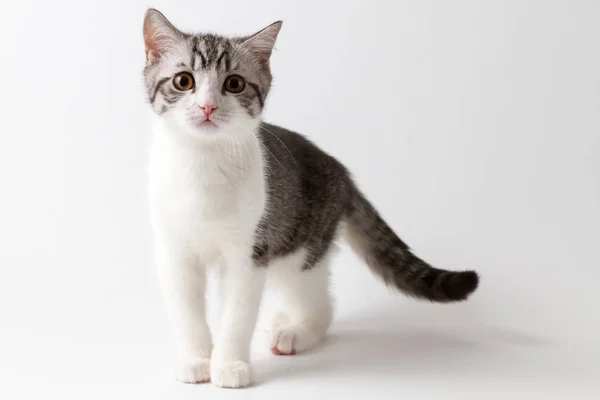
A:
[393, 261]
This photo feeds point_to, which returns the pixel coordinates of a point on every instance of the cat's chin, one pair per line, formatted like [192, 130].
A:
[210, 134]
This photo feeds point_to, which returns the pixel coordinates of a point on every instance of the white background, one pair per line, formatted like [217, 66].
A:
[473, 126]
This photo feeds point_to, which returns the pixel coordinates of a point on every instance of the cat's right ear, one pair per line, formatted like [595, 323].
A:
[159, 35]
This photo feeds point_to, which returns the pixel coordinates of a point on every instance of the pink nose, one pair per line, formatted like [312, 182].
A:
[208, 109]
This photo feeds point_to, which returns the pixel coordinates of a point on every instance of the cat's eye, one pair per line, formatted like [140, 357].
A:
[235, 84]
[183, 81]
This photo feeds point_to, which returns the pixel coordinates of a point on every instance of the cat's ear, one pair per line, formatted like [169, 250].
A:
[262, 42]
[159, 35]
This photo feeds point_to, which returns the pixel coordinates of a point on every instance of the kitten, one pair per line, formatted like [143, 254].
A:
[259, 201]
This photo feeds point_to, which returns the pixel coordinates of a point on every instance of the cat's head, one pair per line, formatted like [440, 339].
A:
[203, 84]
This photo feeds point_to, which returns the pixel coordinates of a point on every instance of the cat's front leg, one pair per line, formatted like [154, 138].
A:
[241, 286]
[183, 283]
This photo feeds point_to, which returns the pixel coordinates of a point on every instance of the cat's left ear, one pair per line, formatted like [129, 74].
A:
[159, 35]
[263, 41]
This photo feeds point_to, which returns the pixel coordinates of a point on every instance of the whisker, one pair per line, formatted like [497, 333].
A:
[241, 158]
[268, 169]
[280, 141]
[261, 126]
[250, 157]
[265, 147]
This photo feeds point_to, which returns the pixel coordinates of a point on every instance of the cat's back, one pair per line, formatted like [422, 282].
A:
[297, 154]
[308, 193]
[300, 175]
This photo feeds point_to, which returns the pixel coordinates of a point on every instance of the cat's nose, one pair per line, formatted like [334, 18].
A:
[208, 109]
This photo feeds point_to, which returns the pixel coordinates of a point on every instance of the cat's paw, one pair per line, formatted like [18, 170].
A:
[284, 342]
[293, 339]
[232, 374]
[193, 370]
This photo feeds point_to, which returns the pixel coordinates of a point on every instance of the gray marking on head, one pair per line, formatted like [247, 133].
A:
[246, 56]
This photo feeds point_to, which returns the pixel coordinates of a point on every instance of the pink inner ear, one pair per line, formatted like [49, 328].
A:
[263, 41]
[159, 35]
[152, 49]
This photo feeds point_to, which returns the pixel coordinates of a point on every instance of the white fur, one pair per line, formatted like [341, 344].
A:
[206, 199]
[303, 297]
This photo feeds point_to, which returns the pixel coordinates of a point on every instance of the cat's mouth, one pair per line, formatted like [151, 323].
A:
[205, 123]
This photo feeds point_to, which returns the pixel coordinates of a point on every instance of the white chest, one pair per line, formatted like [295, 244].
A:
[205, 195]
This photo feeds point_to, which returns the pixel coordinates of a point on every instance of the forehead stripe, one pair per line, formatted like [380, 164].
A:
[196, 51]
[224, 56]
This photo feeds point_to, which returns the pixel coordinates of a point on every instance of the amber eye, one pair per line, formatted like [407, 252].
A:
[235, 84]
[183, 81]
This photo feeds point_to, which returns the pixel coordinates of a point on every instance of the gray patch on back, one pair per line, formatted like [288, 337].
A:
[308, 194]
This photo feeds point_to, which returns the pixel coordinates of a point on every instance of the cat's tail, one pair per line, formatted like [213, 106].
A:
[393, 261]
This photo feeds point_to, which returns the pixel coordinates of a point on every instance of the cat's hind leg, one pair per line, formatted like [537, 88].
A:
[304, 301]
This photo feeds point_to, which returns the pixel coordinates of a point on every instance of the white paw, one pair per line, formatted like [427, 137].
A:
[233, 374]
[283, 342]
[293, 339]
[193, 370]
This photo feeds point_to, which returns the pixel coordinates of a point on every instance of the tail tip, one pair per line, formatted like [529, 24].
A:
[465, 283]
